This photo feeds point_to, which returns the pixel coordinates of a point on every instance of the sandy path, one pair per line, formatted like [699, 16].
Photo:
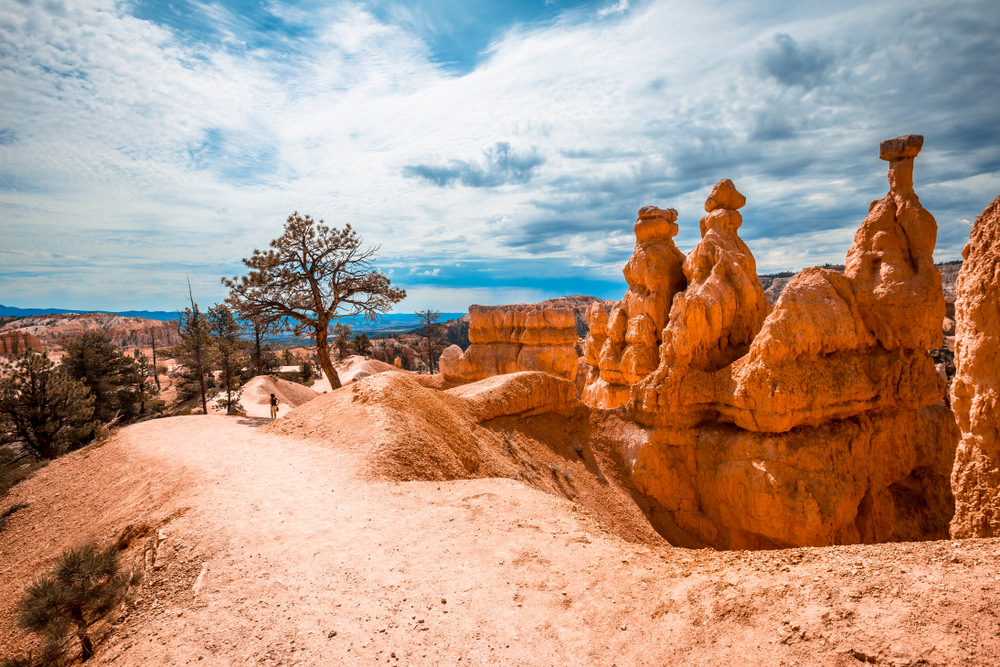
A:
[295, 547]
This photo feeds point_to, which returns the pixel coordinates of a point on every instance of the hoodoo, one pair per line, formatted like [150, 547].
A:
[975, 393]
[816, 423]
[623, 345]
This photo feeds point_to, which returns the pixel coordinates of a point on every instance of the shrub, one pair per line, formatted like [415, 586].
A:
[84, 584]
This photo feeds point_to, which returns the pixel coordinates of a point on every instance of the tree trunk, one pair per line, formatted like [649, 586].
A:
[155, 374]
[86, 646]
[323, 352]
[201, 378]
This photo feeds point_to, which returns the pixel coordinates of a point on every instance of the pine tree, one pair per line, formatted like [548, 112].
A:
[314, 275]
[342, 339]
[44, 408]
[431, 332]
[84, 584]
[194, 352]
[118, 383]
[228, 346]
[361, 344]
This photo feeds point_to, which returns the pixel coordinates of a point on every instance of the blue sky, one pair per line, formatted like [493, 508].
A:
[497, 152]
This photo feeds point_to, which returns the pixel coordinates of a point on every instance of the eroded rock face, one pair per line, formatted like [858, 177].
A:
[510, 339]
[18, 342]
[975, 391]
[623, 343]
[714, 320]
[814, 423]
[60, 330]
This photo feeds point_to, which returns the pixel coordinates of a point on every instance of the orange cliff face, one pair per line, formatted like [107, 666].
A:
[975, 392]
[816, 423]
[511, 339]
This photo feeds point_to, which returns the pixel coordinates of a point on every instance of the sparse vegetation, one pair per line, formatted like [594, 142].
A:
[84, 584]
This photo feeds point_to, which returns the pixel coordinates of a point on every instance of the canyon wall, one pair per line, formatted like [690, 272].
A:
[975, 391]
[514, 338]
[56, 331]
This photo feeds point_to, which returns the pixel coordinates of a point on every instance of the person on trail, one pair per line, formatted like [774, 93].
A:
[274, 407]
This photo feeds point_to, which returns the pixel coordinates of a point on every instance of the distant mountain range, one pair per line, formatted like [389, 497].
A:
[391, 323]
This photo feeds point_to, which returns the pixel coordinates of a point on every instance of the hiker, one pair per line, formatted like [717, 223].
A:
[274, 407]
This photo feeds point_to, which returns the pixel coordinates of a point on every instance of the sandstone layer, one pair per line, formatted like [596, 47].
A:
[19, 341]
[623, 345]
[813, 423]
[975, 391]
[510, 339]
[56, 331]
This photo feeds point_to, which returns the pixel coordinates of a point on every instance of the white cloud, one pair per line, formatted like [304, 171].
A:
[618, 8]
[151, 155]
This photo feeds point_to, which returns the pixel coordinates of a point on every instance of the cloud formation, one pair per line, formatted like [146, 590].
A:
[500, 165]
[144, 142]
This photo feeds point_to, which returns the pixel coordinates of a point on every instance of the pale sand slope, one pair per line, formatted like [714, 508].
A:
[256, 396]
[297, 546]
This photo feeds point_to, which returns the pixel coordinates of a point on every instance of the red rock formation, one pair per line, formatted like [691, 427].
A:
[623, 345]
[18, 342]
[815, 424]
[509, 339]
[975, 391]
[60, 330]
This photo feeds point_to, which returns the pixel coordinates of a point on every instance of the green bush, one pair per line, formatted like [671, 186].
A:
[84, 584]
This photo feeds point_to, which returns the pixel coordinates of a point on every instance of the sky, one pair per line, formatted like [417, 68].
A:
[495, 152]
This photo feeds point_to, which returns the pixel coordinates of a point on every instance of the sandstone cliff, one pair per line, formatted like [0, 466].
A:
[19, 341]
[814, 423]
[975, 391]
[509, 339]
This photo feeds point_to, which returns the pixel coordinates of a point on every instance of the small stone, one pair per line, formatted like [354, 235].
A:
[443, 601]
[624, 627]
[332, 633]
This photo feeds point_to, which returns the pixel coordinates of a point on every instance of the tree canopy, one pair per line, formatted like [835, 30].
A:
[314, 274]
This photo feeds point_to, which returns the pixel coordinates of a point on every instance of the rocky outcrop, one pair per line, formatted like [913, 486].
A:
[623, 344]
[812, 424]
[19, 341]
[975, 391]
[509, 339]
[127, 332]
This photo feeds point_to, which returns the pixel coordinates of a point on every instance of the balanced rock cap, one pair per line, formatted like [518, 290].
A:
[908, 145]
[724, 195]
[654, 212]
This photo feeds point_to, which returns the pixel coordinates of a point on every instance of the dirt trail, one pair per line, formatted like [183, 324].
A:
[307, 562]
